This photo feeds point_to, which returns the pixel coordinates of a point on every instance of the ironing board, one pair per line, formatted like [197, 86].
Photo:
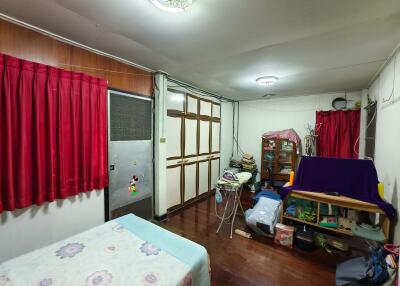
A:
[232, 193]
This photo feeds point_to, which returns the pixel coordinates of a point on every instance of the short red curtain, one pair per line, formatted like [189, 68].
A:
[338, 133]
[53, 133]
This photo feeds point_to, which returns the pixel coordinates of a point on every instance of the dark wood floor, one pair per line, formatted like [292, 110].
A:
[248, 262]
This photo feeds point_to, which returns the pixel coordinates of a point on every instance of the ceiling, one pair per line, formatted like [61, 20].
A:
[313, 46]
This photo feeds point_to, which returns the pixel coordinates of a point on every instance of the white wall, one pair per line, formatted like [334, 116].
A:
[226, 134]
[27, 229]
[260, 116]
[387, 151]
[160, 157]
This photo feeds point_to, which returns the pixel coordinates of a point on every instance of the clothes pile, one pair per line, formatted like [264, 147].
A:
[248, 163]
[378, 269]
[235, 162]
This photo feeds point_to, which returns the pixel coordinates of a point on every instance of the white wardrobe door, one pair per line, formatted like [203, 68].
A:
[214, 172]
[204, 147]
[173, 136]
[205, 107]
[215, 136]
[190, 182]
[175, 100]
[190, 137]
[191, 105]
[216, 112]
[173, 186]
[203, 177]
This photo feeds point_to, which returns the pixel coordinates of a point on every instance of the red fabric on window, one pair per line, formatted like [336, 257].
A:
[53, 133]
[338, 133]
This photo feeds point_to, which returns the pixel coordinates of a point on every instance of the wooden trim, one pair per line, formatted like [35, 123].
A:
[174, 166]
[174, 158]
[190, 202]
[190, 156]
[175, 113]
[341, 201]
[204, 117]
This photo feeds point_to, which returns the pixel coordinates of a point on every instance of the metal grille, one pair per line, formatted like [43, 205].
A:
[130, 118]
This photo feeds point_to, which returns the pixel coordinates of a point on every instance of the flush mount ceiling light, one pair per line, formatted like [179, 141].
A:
[172, 6]
[267, 80]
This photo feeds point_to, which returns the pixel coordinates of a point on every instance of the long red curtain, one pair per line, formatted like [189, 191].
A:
[53, 133]
[338, 133]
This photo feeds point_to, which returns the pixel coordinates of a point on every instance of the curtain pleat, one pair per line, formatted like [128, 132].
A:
[338, 133]
[53, 129]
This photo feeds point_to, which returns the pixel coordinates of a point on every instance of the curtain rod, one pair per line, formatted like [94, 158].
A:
[189, 86]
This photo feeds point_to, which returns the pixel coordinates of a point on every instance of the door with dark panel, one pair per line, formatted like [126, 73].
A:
[130, 155]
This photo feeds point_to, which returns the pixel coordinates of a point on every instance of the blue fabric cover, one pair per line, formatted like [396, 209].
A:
[356, 179]
[183, 249]
[266, 194]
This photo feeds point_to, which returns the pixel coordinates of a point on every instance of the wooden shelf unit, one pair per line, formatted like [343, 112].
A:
[340, 201]
[281, 157]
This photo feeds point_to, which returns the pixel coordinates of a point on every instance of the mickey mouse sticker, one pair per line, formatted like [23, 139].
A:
[133, 189]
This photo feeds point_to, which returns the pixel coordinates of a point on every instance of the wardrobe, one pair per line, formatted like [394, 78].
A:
[193, 136]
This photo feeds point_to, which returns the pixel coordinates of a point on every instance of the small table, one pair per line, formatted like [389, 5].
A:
[231, 192]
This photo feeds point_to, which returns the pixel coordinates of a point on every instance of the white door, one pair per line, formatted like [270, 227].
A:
[214, 165]
[204, 143]
[215, 138]
[190, 181]
[173, 137]
[205, 107]
[173, 186]
[190, 137]
[203, 177]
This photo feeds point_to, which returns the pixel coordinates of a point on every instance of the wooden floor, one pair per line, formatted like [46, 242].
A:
[248, 262]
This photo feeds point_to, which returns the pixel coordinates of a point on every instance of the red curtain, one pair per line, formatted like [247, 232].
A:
[338, 133]
[53, 133]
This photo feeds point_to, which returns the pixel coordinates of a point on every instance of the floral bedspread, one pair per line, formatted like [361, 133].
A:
[106, 255]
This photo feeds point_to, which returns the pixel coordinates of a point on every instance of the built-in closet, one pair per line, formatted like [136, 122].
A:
[193, 147]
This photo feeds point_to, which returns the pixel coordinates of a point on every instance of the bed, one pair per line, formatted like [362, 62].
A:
[124, 251]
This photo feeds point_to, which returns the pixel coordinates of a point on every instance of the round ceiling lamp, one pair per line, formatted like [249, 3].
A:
[267, 80]
[172, 6]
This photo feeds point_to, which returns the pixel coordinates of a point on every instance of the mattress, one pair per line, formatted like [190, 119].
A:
[125, 251]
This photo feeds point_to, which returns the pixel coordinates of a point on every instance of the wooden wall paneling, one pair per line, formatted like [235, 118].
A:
[27, 44]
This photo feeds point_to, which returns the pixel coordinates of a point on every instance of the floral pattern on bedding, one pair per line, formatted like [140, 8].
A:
[4, 280]
[149, 249]
[70, 250]
[104, 256]
[99, 278]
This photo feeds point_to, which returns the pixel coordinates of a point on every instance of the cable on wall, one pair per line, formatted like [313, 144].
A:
[198, 90]
[394, 81]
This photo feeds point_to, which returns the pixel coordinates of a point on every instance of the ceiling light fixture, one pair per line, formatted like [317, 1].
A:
[267, 80]
[172, 6]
